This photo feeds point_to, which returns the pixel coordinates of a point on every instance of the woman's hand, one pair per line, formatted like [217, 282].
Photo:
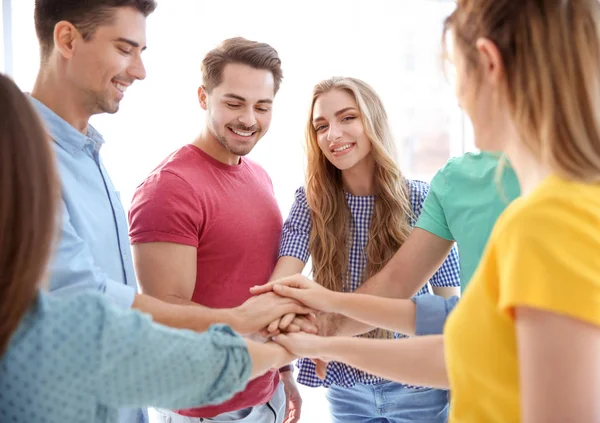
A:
[304, 345]
[301, 289]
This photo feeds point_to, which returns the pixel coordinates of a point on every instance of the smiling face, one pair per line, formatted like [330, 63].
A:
[104, 66]
[240, 107]
[339, 129]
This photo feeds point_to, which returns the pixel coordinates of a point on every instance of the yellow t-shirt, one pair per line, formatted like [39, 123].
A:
[544, 252]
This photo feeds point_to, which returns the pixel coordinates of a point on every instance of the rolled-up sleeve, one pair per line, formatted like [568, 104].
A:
[141, 363]
[432, 312]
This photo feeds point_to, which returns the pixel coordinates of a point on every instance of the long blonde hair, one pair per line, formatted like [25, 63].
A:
[551, 54]
[332, 228]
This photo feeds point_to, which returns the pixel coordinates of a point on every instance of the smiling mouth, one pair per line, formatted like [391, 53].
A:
[341, 148]
[246, 134]
[119, 86]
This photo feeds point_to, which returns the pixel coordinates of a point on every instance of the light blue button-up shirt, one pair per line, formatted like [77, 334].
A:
[94, 252]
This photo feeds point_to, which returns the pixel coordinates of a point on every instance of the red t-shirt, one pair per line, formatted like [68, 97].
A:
[229, 213]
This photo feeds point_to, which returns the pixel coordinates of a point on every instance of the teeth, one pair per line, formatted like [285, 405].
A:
[120, 87]
[347, 146]
[242, 134]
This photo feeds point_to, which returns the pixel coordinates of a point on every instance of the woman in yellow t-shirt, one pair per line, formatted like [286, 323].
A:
[523, 345]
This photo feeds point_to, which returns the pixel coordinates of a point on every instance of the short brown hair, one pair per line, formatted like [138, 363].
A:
[29, 193]
[86, 16]
[242, 51]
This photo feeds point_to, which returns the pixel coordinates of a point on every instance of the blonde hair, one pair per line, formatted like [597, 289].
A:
[332, 228]
[551, 55]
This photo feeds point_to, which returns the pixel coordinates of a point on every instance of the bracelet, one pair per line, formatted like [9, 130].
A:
[286, 368]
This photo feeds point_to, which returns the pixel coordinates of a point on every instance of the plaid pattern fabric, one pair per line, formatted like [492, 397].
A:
[294, 243]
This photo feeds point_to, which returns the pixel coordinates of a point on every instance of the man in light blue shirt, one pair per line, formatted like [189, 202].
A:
[90, 54]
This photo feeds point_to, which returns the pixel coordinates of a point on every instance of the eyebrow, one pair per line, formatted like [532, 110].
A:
[339, 112]
[130, 42]
[240, 98]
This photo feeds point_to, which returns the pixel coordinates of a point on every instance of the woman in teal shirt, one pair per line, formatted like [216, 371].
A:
[79, 359]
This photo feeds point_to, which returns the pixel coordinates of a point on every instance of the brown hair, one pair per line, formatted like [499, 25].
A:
[242, 51]
[86, 16]
[551, 54]
[28, 202]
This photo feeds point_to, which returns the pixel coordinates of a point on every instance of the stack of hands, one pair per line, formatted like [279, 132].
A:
[303, 329]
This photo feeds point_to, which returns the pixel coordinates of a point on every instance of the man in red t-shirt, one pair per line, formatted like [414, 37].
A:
[205, 225]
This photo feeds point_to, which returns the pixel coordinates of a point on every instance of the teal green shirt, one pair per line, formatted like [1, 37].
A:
[465, 199]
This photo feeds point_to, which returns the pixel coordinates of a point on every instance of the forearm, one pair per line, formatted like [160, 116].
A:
[194, 316]
[386, 313]
[416, 361]
[266, 356]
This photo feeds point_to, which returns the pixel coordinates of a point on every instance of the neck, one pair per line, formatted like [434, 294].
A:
[211, 146]
[360, 179]
[530, 172]
[55, 94]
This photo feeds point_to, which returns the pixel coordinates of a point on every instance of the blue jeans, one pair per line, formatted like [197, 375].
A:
[387, 402]
[272, 412]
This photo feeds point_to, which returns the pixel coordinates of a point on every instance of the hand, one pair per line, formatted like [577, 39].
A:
[259, 311]
[301, 289]
[292, 397]
[304, 345]
[303, 323]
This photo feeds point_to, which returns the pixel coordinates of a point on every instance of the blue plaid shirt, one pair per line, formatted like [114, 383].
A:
[294, 243]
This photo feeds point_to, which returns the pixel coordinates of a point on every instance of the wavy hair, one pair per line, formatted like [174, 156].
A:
[332, 228]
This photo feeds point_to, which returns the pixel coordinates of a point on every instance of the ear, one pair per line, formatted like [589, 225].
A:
[203, 97]
[491, 60]
[65, 36]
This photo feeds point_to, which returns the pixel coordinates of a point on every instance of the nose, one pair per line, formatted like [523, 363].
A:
[247, 118]
[137, 69]
[334, 132]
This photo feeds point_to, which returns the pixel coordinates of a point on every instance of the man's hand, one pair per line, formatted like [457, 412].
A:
[293, 404]
[258, 311]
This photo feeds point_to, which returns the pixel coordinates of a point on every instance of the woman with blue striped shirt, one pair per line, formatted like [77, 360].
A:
[356, 210]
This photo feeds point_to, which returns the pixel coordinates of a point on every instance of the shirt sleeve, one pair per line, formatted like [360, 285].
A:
[165, 208]
[431, 313]
[433, 218]
[296, 229]
[73, 270]
[448, 275]
[546, 258]
[141, 363]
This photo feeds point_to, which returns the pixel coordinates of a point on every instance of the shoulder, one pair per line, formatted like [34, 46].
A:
[417, 191]
[559, 212]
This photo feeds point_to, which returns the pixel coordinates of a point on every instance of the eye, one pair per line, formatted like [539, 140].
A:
[233, 105]
[347, 118]
[262, 109]
[320, 128]
[124, 52]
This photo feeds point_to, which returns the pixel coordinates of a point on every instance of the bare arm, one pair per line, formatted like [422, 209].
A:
[267, 356]
[400, 360]
[446, 291]
[287, 266]
[408, 270]
[167, 273]
[559, 367]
